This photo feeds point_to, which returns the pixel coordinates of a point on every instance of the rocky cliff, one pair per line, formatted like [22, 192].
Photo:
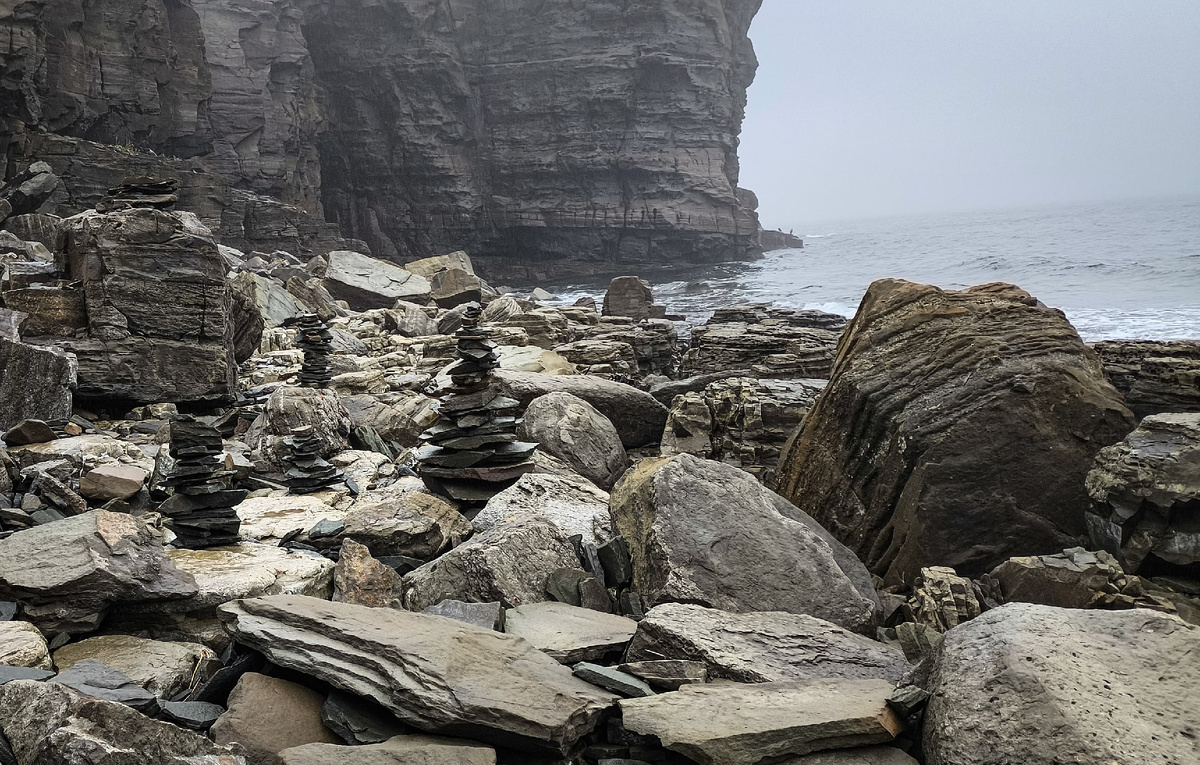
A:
[544, 138]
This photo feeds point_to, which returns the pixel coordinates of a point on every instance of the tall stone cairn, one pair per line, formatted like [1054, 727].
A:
[472, 452]
[314, 340]
[201, 511]
[307, 471]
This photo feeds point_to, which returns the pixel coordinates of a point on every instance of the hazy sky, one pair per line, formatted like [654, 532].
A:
[874, 107]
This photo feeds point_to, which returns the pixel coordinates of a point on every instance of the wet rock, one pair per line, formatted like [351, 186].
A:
[360, 579]
[359, 721]
[574, 431]
[567, 633]
[1071, 579]
[488, 616]
[941, 599]
[404, 520]
[395, 751]
[448, 670]
[36, 384]
[508, 564]
[22, 645]
[267, 715]
[1105, 685]
[732, 724]
[1012, 407]
[52, 724]
[761, 647]
[112, 482]
[1155, 376]
[708, 533]
[365, 282]
[1145, 491]
[572, 504]
[162, 668]
[101, 681]
[632, 297]
[612, 679]
[66, 574]
[638, 418]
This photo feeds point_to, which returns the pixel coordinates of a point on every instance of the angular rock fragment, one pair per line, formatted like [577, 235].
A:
[612, 679]
[28, 432]
[1071, 579]
[761, 647]
[112, 482]
[570, 634]
[488, 616]
[733, 724]
[574, 431]
[267, 715]
[1155, 376]
[36, 384]
[942, 599]
[360, 579]
[194, 715]
[162, 668]
[668, 674]
[404, 519]
[573, 505]
[704, 532]
[359, 721]
[22, 645]
[435, 674]
[365, 282]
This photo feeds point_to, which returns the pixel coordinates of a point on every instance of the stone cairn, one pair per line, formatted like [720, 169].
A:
[201, 511]
[315, 341]
[158, 193]
[309, 472]
[472, 452]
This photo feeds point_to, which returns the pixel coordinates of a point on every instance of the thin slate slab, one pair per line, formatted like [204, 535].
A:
[612, 679]
[568, 633]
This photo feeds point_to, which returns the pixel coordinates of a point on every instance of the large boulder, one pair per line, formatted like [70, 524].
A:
[404, 519]
[68, 573]
[956, 431]
[246, 316]
[1146, 491]
[360, 579]
[572, 504]
[1029, 683]
[570, 634]
[638, 418]
[36, 384]
[267, 715]
[51, 724]
[707, 533]
[290, 407]
[632, 297]
[574, 431]
[366, 283]
[761, 647]
[434, 673]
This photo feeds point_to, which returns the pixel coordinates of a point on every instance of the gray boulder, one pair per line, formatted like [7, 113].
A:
[632, 297]
[360, 579]
[290, 407]
[36, 383]
[572, 504]
[570, 634]
[761, 647]
[707, 533]
[433, 673]
[267, 715]
[403, 519]
[574, 431]
[366, 283]
[1028, 683]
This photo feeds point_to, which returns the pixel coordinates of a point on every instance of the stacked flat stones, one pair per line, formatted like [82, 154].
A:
[201, 511]
[315, 341]
[309, 472]
[472, 452]
[158, 193]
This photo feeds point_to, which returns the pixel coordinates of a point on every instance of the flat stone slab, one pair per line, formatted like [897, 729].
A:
[612, 679]
[735, 724]
[401, 750]
[161, 667]
[568, 633]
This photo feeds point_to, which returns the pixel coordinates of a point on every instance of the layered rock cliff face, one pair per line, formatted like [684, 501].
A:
[544, 138]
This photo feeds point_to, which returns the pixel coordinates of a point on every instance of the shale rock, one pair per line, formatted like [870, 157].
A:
[51, 724]
[246, 316]
[761, 647]
[401, 750]
[404, 520]
[572, 504]
[1146, 494]
[289, 408]
[22, 645]
[1011, 407]
[508, 564]
[574, 431]
[36, 383]
[267, 715]
[569, 634]
[942, 600]
[733, 724]
[359, 721]
[765, 343]
[702, 532]
[160, 667]
[1154, 375]
[638, 418]
[1086, 673]
[632, 297]
[365, 282]
[103, 682]
[360, 579]
[1071, 579]
[112, 482]
[66, 574]
[436, 674]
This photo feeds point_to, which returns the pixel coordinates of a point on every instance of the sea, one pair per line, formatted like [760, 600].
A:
[1119, 270]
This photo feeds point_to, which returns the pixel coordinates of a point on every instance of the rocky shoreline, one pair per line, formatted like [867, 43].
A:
[477, 528]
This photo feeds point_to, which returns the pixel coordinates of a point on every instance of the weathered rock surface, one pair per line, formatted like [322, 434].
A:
[942, 599]
[112, 482]
[1104, 685]
[1071, 579]
[66, 574]
[267, 715]
[360, 579]
[36, 383]
[574, 431]
[1154, 375]
[1146, 491]
[632, 297]
[508, 564]
[404, 520]
[401, 750]
[366, 283]
[290, 407]
[437, 674]
[567, 633]
[265, 518]
[51, 724]
[761, 647]
[638, 418]
[733, 724]
[867, 755]
[765, 342]
[1010, 410]
[22, 645]
[573, 505]
[702, 532]
[161, 667]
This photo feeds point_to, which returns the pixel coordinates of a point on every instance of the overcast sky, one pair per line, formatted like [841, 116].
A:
[874, 107]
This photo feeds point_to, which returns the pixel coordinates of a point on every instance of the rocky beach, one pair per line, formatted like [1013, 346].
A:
[299, 468]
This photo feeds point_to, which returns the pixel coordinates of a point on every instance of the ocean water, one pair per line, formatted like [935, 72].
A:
[1117, 269]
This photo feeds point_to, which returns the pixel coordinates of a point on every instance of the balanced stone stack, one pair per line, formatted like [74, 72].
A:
[315, 340]
[158, 193]
[201, 512]
[472, 452]
[309, 472]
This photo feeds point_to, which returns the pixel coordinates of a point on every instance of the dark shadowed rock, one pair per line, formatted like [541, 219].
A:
[433, 673]
[574, 431]
[1154, 375]
[101, 681]
[1071, 579]
[703, 532]
[195, 715]
[956, 431]
[612, 679]
[28, 432]
[36, 383]
[359, 721]
[267, 715]
[1028, 683]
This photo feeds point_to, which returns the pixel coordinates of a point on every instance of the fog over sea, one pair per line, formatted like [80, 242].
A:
[1118, 269]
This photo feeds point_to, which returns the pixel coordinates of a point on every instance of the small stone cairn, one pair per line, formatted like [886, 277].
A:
[472, 452]
[309, 472]
[315, 340]
[201, 511]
